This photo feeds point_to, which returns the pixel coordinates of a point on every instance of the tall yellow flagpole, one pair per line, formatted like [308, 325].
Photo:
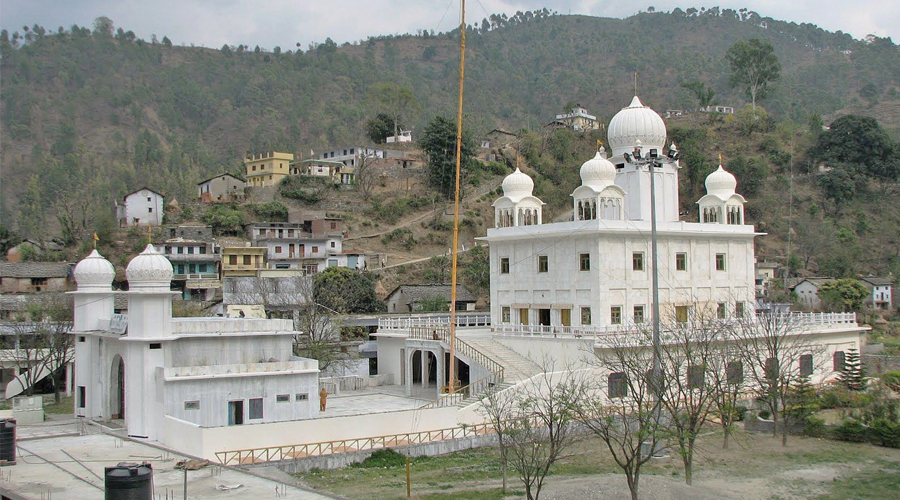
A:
[459, 121]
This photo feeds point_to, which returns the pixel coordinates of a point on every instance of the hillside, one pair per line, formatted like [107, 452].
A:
[87, 116]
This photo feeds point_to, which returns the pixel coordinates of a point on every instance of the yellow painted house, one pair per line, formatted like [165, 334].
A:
[267, 169]
[242, 261]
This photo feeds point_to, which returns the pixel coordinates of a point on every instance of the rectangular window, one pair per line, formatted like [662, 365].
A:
[504, 315]
[585, 261]
[681, 314]
[543, 264]
[190, 250]
[247, 260]
[256, 408]
[192, 405]
[720, 262]
[81, 338]
[149, 199]
[523, 316]
[637, 261]
[504, 265]
[695, 377]
[202, 250]
[332, 244]
[616, 385]
[232, 260]
[283, 398]
[150, 210]
[681, 261]
[739, 309]
[565, 317]
[585, 315]
[180, 268]
[806, 365]
[202, 268]
[837, 361]
[734, 373]
[615, 315]
[155, 345]
[638, 314]
[720, 310]
[301, 397]
[315, 250]
[82, 396]
[277, 249]
[38, 281]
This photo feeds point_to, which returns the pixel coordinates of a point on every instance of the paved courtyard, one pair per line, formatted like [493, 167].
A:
[72, 467]
[377, 400]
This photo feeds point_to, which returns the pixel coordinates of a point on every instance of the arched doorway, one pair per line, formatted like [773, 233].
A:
[117, 388]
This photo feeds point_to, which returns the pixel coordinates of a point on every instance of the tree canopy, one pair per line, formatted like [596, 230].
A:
[346, 291]
[439, 144]
[754, 66]
[859, 141]
[846, 293]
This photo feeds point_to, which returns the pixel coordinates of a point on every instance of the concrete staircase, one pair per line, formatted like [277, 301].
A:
[516, 367]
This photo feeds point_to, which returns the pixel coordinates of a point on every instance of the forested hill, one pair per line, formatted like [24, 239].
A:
[88, 115]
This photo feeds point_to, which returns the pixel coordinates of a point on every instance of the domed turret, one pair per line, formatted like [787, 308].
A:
[721, 183]
[94, 273]
[150, 269]
[598, 171]
[517, 185]
[636, 123]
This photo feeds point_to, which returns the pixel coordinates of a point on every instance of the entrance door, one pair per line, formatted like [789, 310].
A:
[235, 413]
[544, 317]
[121, 388]
[523, 316]
[565, 317]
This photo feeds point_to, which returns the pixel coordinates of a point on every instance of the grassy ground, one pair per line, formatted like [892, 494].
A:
[66, 405]
[755, 465]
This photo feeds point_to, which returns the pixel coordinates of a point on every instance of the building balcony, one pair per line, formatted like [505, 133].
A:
[193, 257]
[195, 276]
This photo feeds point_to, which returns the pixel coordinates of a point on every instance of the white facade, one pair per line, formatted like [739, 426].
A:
[149, 368]
[879, 293]
[143, 207]
[596, 271]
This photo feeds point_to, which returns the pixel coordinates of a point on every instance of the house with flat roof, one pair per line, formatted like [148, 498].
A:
[267, 169]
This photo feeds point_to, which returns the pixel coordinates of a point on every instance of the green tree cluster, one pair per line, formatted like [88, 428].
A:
[438, 142]
[346, 291]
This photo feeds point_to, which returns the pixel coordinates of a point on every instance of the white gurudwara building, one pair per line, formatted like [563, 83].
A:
[162, 375]
[594, 273]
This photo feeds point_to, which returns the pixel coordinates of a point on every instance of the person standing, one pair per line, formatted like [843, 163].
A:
[323, 395]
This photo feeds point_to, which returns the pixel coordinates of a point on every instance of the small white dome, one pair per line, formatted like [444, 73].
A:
[517, 185]
[94, 273]
[598, 171]
[149, 269]
[636, 123]
[721, 183]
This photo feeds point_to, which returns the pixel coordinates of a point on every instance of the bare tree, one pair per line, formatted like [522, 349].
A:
[535, 422]
[687, 356]
[366, 174]
[777, 355]
[726, 374]
[621, 408]
[56, 311]
[497, 407]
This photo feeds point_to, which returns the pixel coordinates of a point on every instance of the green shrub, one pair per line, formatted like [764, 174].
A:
[885, 433]
[764, 414]
[381, 459]
[740, 412]
[892, 380]
[851, 430]
[814, 427]
[272, 211]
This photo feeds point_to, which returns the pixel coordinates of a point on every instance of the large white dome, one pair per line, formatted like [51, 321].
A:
[517, 185]
[721, 183]
[94, 273]
[150, 269]
[598, 172]
[636, 123]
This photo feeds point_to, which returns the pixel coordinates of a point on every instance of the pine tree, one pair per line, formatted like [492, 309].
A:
[852, 374]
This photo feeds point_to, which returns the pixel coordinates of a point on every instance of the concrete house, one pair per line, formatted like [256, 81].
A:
[224, 188]
[309, 245]
[576, 119]
[143, 207]
[807, 291]
[267, 169]
[879, 293]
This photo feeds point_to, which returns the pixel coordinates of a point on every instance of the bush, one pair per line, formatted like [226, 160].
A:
[764, 414]
[851, 430]
[739, 413]
[382, 458]
[272, 211]
[892, 380]
[885, 433]
[814, 427]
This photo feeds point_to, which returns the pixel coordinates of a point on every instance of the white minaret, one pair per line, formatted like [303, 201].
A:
[94, 304]
[149, 334]
[639, 126]
[518, 206]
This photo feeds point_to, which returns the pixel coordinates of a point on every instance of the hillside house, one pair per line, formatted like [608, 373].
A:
[498, 138]
[196, 265]
[267, 169]
[807, 291]
[223, 188]
[412, 298]
[143, 207]
[334, 171]
[31, 277]
[242, 261]
[879, 293]
[576, 119]
[310, 245]
[403, 136]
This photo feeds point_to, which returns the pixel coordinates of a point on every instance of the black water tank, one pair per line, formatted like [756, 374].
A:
[128, 481]
[8, 441]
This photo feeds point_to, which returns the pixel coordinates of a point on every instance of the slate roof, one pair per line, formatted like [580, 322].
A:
[815, 281]
[35, 269]
[226, 174]
[877, 281]
[415, 293]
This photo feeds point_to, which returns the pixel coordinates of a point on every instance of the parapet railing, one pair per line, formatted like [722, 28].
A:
[407, 322]
[295, 451]
[480, 386]
[443, 334]
[798, 319]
